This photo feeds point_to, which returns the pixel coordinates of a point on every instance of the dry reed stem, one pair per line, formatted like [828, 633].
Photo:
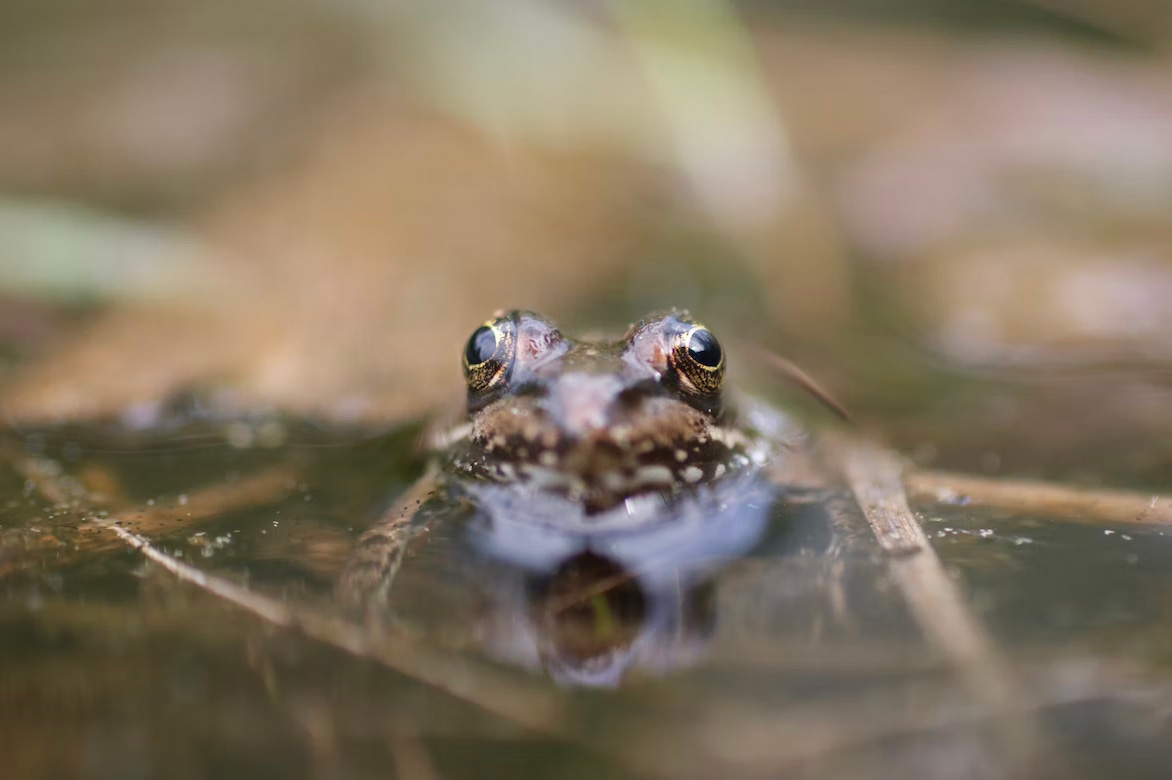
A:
[89, 536]
[1027, 497]
[935, 600]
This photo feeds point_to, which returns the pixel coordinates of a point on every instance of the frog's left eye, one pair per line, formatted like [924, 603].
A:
[699, 360]
[488, 355]
[481, 346]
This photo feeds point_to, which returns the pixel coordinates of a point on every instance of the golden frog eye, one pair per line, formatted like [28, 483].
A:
[487, 355]
[704, 349]
[700, 361]
[481, 346]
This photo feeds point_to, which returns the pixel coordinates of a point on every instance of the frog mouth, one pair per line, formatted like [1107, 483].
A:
[661, 445]
[659, 430]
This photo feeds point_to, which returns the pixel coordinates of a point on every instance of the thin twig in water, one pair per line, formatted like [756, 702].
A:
[1027, 497]
[874, 476]
[793, 373]
[88, 535]
[263, 487]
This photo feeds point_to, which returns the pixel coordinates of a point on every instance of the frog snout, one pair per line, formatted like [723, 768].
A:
[581, 404]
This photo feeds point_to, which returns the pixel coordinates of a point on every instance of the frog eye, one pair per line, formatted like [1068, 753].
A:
[699, 360]
[481, 346]
[488, 354]
[704, 349]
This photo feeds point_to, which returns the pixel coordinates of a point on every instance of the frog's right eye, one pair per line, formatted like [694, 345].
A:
[488, 354]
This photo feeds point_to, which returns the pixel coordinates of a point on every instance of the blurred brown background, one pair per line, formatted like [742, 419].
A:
[957, 214]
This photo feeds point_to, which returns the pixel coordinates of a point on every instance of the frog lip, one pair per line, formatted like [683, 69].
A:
[664, 445]
[652, 453]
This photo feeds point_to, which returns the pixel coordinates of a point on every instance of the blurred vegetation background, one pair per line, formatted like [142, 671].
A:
[957, 214]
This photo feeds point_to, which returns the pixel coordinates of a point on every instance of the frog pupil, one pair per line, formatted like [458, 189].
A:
[704, 349]
[481, 346]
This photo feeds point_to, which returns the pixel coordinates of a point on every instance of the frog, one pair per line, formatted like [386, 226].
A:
[599, 422]
[623, 469]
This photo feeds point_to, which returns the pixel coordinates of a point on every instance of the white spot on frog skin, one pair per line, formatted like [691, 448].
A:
[719, 470]
[693, 474]
[681, 455]
[548, 459]
[653, 475]
[613, 481]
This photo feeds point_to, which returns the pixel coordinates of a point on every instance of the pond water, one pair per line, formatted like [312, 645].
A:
[787, 652]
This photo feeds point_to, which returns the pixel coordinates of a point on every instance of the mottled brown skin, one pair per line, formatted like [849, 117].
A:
[597, 421]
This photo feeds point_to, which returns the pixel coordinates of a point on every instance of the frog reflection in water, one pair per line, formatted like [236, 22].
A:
[613, 469]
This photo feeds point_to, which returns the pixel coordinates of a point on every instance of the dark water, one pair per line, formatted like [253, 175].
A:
[797, 658]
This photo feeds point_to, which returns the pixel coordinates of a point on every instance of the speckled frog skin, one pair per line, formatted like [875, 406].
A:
[596, 421]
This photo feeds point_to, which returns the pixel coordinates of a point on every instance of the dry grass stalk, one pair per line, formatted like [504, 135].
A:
[1027, 497]
[88, 533]
[936, 603]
